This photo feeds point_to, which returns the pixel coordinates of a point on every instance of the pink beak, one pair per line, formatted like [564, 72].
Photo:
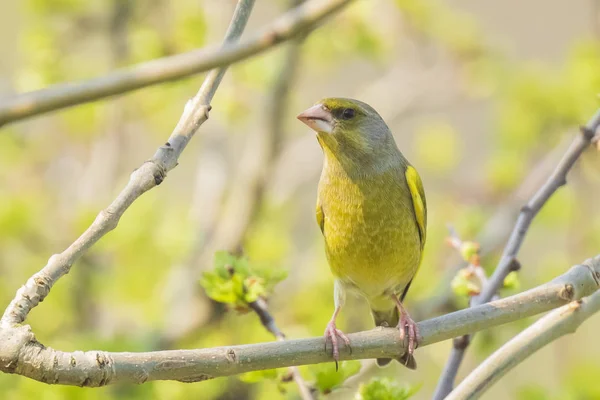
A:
[318, 118]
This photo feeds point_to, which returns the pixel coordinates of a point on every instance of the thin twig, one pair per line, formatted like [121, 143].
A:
[508, 261]
[254, 170]
[497, 228]
[303, 18]
[21, 354]
[260, 308]
[242, 204]
[554, 325]
[146, 177]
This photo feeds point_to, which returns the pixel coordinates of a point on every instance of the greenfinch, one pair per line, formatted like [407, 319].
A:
[372, 212]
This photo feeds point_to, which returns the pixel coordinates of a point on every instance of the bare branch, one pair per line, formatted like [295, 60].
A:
[303, 18]
[554, 325]
[508, 261]
[497, 228]
[260, 308]
[242, 204]
[21, 354]
[146, 177]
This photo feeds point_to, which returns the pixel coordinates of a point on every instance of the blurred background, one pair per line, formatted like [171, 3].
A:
[483, 97]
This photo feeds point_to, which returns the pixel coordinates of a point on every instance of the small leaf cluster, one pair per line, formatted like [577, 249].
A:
[236, 281]
[278, 376]
[465, 283]
[327, 379]
[385, 389]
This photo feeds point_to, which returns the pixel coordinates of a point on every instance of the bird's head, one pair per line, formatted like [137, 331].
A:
[350, 130]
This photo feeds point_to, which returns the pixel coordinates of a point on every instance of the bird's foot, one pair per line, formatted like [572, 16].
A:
[408, 329]
[333, 333]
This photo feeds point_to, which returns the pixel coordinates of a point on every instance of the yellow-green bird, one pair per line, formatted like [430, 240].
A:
[372, 212]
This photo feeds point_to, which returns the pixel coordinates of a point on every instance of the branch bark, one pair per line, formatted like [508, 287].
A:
[21, 354]
[508, 261]
[260, 308]
[303, 18]
[554, 325]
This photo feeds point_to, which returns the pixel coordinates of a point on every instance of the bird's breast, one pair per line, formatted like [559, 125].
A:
[371, 235]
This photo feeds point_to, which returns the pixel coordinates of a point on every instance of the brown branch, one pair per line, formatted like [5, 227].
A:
[21, 354]
[508, 261]
[303, 18]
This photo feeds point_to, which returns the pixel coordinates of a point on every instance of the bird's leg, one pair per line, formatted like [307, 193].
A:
[407, 327]
[331, 331]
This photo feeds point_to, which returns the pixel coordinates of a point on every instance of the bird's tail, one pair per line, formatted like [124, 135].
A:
[390, 318]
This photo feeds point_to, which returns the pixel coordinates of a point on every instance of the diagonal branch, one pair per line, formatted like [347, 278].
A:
[508, 261]
[21, 354]
[146, 177]
[303, 18]
[240, 208]
[558, 323]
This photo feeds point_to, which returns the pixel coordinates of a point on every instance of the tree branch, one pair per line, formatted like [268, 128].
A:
[146, 177]
[508, 261]
[303, 18]
[240, 207]
[21, 354]
[558, 323]
[260, 308]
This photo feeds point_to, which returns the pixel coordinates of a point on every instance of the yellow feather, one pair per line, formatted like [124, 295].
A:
[418, 197]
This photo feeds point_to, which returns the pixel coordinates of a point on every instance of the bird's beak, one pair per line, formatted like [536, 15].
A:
[318, 118]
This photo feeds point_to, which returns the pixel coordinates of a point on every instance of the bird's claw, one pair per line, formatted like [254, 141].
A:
[332, 333]
[408, 328]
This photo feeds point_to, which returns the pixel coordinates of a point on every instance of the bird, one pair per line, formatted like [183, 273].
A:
[372, 212]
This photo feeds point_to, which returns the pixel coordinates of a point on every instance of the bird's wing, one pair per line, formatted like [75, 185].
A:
[320, 215]
[418, 199]
[420, 206]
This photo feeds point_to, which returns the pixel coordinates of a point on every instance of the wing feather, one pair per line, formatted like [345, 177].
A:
[418, 199]
[320, 216]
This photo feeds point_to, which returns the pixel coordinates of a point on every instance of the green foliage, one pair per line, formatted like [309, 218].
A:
[465, 283]
[511, 281]
[469, 250]
[279, 377]
[530, 105]
[438, 146]
[258, 376]
[46, 7]
[189, 28]
[352, 36]
[385, 389]
[237, 282]
[532, 392]
[455, 31]
[327, 379]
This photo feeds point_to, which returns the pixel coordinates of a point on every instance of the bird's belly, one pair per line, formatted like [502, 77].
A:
[377, 254]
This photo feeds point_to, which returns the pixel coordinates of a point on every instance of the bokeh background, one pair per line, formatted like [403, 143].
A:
[482, 96]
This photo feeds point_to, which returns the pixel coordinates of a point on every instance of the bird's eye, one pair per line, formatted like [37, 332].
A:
[348, 113]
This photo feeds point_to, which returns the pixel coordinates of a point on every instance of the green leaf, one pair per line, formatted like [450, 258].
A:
[258, 376]
[254, 289]
[465, 283]
[468, 250]
[235, 281]
[511, 281]
[328, 379]
[218, 289]
[385, 389]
